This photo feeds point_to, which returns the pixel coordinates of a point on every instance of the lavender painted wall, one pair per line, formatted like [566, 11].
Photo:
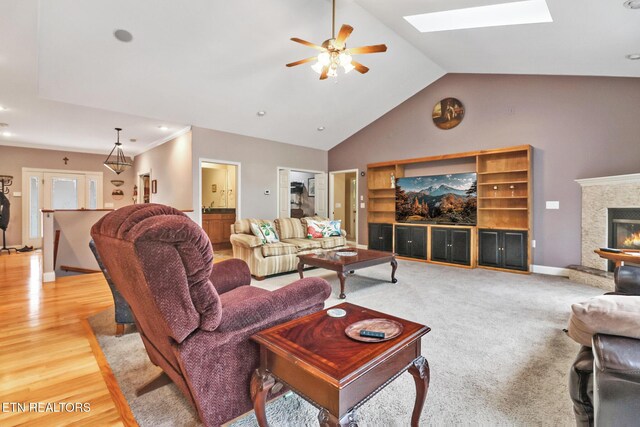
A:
[580, 127]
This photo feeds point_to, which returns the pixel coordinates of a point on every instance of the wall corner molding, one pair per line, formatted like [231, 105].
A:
[167, 138]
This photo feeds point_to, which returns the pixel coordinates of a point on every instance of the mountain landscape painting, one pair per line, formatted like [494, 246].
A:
[448, 199]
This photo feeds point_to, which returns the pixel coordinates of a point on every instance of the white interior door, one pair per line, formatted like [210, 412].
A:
[321, 198]
[32, 203]
[284, 196]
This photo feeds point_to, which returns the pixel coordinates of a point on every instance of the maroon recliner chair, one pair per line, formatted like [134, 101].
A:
[195, 318]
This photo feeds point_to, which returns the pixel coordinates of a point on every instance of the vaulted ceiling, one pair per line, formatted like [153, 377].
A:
[66, 81]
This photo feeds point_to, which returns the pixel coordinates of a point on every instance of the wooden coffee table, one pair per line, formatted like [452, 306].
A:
[347, 264]
[313, 356]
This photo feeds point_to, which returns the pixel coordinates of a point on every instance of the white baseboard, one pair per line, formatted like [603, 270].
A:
[49, 277]
[552, 271]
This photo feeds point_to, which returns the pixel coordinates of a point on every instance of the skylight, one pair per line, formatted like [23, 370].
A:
[495, 15]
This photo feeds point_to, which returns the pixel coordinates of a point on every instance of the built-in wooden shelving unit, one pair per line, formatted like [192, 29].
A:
[504, 190]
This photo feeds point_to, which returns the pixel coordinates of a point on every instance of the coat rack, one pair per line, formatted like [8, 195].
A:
[5, 183]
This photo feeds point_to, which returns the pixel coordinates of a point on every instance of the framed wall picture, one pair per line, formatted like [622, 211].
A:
[448, 113]
[154, 186]
[311, 185]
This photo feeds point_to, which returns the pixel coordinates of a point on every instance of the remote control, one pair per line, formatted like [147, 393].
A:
[371, 334]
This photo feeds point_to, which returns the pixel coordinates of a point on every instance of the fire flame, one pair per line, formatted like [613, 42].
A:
[633, 240]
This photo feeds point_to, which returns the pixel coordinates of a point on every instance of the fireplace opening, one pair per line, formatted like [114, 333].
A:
[624, 229]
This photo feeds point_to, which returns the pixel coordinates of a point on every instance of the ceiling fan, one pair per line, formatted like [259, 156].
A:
[334, 52]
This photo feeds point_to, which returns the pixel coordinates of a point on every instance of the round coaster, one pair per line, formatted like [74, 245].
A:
[336, 312]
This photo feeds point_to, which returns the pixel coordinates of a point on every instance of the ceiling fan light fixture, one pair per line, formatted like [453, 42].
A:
[317, 67]
[345, 59]
[334, 53]
[324, 58]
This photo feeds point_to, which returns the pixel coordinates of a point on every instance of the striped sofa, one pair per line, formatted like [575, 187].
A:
[265, 259]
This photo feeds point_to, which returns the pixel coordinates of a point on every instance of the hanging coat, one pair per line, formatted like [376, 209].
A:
[4, 211]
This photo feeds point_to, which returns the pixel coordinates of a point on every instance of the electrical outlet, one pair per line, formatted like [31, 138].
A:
[361, 198]
[17, 194]
[553, 204]
[108, 205]
[338, 205]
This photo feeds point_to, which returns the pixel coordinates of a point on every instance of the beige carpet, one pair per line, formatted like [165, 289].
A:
[497, 352]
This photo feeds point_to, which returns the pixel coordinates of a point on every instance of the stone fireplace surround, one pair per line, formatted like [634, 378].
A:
[598, 195]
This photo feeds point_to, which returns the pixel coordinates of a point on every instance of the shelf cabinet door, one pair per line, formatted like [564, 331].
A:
[489, 248]
[514, 250]
[375, 231]
[403, 237]
[460, 249]
[418, 242]
[503, 249]
[387, 237]
[381, 237]
[440, 244]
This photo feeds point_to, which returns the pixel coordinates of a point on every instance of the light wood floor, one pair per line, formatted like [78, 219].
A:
[47, 348]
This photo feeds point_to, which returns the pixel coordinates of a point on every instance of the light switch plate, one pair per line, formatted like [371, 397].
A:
[108, 205]
[17, 194]
[338, 205]
[553, 204]
[361, 205]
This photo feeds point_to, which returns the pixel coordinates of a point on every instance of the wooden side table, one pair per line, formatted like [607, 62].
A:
[619, 258]
[313, 356]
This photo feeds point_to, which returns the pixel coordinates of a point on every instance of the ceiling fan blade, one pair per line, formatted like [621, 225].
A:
[345, 32]
[359, 67]
[306, 43]
[368, 49]
[302, 61]
[325, 71]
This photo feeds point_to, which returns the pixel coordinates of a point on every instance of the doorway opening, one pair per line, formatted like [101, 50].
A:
[301, 193]
[145, 188]
[219, 199]
[344, 201]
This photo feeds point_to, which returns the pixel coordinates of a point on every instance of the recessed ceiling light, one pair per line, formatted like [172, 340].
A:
[261, 113]
[632, 4]
[495, 15]
[6, 133]
[2, 108]
[320, 128]
[123, 35]
[163, 128]
[633, 56]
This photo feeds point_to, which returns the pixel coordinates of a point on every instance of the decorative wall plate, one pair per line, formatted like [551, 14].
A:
[448, 113]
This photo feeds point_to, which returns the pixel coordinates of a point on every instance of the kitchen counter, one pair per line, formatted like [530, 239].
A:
[207, 211]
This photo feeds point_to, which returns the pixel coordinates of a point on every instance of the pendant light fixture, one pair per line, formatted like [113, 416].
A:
[116, 161]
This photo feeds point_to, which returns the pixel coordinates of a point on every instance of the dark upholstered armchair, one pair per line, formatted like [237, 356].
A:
[604, 380]
[123, 314]
[195, 318]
